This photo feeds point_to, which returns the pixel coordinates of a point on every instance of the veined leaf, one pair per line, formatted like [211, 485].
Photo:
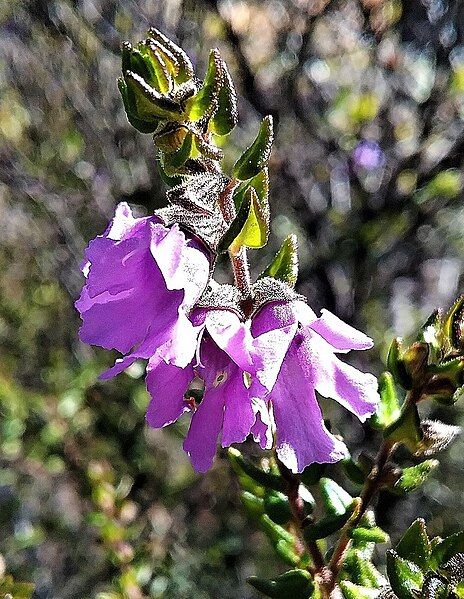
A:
[185, 67]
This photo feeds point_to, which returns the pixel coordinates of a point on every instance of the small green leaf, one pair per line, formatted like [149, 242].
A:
[296, 584]
[353, 471]
[362, 571]
[328, 525]
[184, 66]
[260, 184]
[144, 126]
[257, 155]
[150, 103]
[253, 505]
[161, 76]
[286, 552]
[204, 103]
[369, 535]
[336, 500]
[389, 407]
[249, 228]
[255, 231]
[312, 474]
[274, 531]
[277, 507]
[284, 266]
[396, 365]
[415, 545]
[226, 116]
[266, 479]
[170, 181]
[177, 159]
[415, 476]
[405, 577]
[445, 549]
[406, 429]
[354, 591]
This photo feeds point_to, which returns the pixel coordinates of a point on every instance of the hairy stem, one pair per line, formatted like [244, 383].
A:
[238, 261]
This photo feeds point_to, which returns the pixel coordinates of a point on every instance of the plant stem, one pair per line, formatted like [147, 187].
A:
[238, 261]
[320, 571]
[372, 485]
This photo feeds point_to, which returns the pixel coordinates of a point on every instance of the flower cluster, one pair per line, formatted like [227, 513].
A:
[245, 359]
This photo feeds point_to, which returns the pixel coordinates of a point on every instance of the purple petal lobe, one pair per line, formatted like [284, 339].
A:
[302, 437]
[340, 335]
[353, 389]
[167, 385]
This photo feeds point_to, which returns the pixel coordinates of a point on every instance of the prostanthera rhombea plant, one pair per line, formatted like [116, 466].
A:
[247, 359]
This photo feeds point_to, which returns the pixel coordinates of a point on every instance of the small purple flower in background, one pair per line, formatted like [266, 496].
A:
[142, 279]
[368, 155]
[308, 363]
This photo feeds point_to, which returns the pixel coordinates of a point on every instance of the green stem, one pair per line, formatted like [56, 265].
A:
[372, 485]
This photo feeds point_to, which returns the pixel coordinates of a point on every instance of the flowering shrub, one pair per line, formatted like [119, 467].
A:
[247, 359]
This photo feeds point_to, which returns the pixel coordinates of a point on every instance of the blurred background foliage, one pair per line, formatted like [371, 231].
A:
[368, 101]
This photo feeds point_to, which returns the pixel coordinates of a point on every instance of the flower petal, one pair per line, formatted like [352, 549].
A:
[353, 389]
[340, 335]
[167, 385]
[302, 437]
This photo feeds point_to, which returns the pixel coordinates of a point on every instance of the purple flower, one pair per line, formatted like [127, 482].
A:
[368, 155]
[142, 279]
[306, 363]
[222, 368]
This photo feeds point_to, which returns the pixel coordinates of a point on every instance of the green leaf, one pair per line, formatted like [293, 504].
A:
[296, 584]
[396, 365]
[277, 507]
[286, 552]
[415, 545]
[369, 535]
[253, 505]
[406, 429]
[353, 470]
[336, 500]
[260, 184]
[405, 577]
[184, 66]
[266, 479]
[284, 266]
[274, 531]
[451, 322]
[389, 407]
[362, 571]
[175, 160]
[354, 591]
[312, 474]
[204, 103]
[170, 181]
[257, 155]
[148, 102]
[249, 228]
[446, 548]
[144, 126]
[328, 525]
[415, 476]
[226, 115]
[161, 79]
